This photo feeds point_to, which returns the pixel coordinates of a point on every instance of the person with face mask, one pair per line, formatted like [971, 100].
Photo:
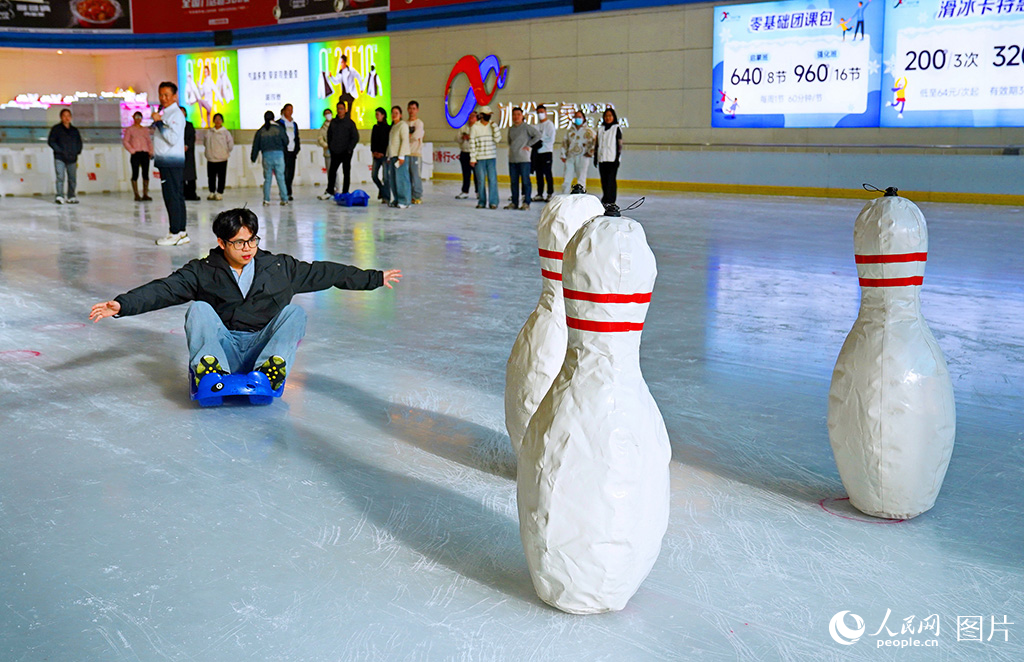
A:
[322, 141]
[544, 155]
[577, 150]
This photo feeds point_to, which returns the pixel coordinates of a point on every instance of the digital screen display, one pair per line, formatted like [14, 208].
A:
[207, 85]
[357, 71]
[953, 63]
[797, 64]
[270, 77]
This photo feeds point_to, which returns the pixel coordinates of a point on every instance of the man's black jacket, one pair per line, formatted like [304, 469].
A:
[66, 143]
[277, 279]
[342, 136]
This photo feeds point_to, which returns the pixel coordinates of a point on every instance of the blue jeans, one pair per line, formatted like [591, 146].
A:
[486, 171]
[520, 172]
[413, 162]
[242, 351]
[72, 171]
[398, 177]
[383, 187]
[273, 164]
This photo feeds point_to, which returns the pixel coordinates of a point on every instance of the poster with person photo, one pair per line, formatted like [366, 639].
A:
[356, 71]
[207, 85]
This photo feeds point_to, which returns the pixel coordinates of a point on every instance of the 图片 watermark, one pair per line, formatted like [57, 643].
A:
[847, 628]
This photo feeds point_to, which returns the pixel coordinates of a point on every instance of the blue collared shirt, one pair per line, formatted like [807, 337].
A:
[244, 279]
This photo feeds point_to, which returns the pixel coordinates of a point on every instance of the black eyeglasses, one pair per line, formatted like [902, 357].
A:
[251, 242]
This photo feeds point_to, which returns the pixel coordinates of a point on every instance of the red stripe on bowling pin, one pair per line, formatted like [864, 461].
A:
[554, 255]
[891, 259]
[639, 297]
[602, 327]
[891, 282]
[550, 274]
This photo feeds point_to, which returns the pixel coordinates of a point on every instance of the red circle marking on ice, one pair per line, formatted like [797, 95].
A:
[60, 326]
[19, 355]
[867, 519]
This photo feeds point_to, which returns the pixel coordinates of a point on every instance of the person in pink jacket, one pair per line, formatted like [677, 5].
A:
[139, 144]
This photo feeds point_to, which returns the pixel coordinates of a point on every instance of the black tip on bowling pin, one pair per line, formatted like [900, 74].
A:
[891, 192]
[577, 189]
[612, 209]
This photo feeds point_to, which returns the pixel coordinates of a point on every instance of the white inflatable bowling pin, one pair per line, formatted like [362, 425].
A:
[891, 415]
[593, 479]
[539, 349]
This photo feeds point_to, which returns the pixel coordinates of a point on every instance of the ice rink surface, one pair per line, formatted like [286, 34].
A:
[370, 513]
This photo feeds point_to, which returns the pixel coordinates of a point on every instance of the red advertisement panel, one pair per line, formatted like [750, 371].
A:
[154, 16]
[396, 5]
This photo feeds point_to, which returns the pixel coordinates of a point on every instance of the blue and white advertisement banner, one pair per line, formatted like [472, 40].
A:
[797, 64]
[953, 63]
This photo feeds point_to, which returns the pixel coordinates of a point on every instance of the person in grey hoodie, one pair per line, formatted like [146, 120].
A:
[66, 143]
[522, 139]
[271, 140]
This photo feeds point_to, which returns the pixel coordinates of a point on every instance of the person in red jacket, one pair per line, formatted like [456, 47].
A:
[241, 317]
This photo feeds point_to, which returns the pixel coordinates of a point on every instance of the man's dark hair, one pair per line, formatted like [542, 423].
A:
[287, 105]
[216, 115]
[65, 110]
[414, 103]
[517, 108]
[344, 58]
[540, 108]
[229, 222]
[170, 85]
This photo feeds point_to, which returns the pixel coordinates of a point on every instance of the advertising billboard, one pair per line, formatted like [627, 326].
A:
[797, 64]
[270, 77]
[156, 16]
[357, 71]
[953, 63]
[207, 85]
[66, 15]
[311, 10]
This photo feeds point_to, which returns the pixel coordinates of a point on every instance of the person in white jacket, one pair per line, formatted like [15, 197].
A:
[608, 153]
[544, 155]
[218, 143]
[169, 158]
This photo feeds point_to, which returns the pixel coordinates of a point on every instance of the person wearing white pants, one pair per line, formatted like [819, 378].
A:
[577, 152]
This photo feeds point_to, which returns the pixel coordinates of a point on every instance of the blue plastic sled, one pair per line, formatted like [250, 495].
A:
[357, 198]
[213, 388]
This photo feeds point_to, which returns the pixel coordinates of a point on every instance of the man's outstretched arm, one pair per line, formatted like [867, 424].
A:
[180, 287]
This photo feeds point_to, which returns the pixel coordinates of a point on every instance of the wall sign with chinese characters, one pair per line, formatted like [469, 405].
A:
[954, 63]
[561, 113]
[797, 64]
[270, 77]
